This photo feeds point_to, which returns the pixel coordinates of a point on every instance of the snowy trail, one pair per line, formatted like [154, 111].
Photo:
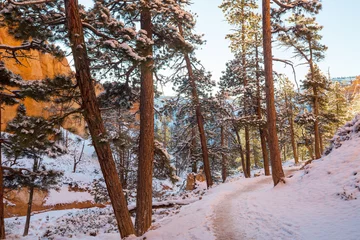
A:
[233, 215]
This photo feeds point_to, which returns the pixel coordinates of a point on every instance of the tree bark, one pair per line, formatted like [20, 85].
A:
[310, 149]
[264, 151]
[76, 162]
[93, 118]
[276, 165]
[316, 125]
[259, 114]
[165, 128]
[223, 156]
[285, 152]
[246, 107]
[31, 195]
[146, 144]
[28, 213]
[2, 222]
[192, 150]
[241, 152]
[199, 117]
[316, 106]
[292, 131]
[255, 154]
[293, 143]
[247, 151]
[321, 144]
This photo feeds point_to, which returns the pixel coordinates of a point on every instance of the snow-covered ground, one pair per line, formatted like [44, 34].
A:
[319, 202]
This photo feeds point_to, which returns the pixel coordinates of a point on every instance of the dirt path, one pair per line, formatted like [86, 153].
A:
[225, 223]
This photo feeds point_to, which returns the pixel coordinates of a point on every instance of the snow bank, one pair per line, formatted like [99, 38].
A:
[63, 195]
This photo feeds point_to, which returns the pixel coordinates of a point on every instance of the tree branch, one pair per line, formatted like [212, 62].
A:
[29, 2]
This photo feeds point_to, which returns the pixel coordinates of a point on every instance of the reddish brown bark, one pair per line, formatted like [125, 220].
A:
[93, 118]
[265, 154]
[192, 149]
[292, 131]
[146, 144]
[244, 74]
[276, 165]
[165, 129]
[223, 156]
[28, 213]
[315, 105]
[2, 223]
[316, 124]
[247, 151]
[241, 152]
[262, 130]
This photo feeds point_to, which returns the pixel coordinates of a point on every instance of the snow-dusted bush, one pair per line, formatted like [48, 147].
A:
[348, 131]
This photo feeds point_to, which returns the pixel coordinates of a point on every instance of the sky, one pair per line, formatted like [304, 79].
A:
[340, 34]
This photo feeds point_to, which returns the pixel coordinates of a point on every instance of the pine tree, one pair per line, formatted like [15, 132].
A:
[157, 42]
[304, 39]
[30, 137]
[13, 89]
[337, 107]
[316, 82]
[93, 117]
[268, 28]
[199, 118]
[276, 167]
[287, 98]
[245, 42]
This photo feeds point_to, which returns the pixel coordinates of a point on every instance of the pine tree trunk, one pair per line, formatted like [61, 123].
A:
[284, 152]
[321, 143]
[293, 143]
[165, 137]
[310, 150]
[28, 213]
[316, 108]
[192, 150]
[258, 110]
[31, 196]
[247, 151]
[223, 156]
[2, 214]
[255, 154]
[241, 152]
[199, 117]
[146, 144]
[316, 125]
[276, 165]
[93, 118]
[264, 151]
[244, 74]
[292, 131]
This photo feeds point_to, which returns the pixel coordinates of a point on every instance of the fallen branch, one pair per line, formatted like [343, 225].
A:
[306, 163]
[165, 204]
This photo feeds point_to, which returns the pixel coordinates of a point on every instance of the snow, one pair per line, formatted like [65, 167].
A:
[63, 195]
[322, 201]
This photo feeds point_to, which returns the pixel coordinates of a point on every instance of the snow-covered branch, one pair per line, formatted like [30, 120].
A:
[29, 2]
[284, 5]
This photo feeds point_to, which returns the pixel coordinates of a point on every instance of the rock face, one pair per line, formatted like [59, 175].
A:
[38, 67]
